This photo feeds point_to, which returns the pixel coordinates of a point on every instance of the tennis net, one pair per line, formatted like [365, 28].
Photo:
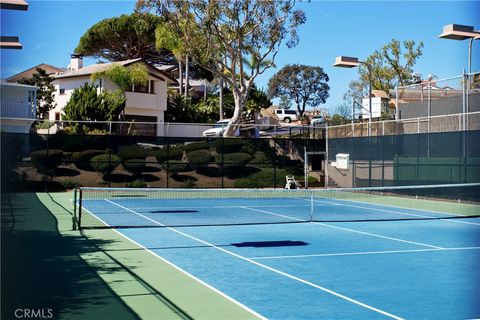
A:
[129, 207]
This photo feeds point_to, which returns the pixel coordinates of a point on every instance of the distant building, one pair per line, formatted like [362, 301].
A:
[198, 88]
[380, 105]
[17, 107]
[28, 74]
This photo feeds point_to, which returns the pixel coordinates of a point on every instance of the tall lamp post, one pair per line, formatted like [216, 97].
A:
[351, 62]
[461, 32]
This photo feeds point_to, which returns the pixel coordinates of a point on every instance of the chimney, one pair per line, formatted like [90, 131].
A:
[76, 61]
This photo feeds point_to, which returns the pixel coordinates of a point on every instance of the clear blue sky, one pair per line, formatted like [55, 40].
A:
[50, 30]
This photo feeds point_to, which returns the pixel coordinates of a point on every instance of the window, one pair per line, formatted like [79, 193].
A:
[57, 116]
[290, 112]
[140, 88]
[62, 91]
[152, 86]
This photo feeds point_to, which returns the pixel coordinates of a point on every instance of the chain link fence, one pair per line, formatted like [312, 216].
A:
[442, 123]
[55, 162]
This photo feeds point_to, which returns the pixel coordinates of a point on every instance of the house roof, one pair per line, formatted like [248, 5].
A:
[16, 85]
[88, 70]
[29, 72]
[380, 93]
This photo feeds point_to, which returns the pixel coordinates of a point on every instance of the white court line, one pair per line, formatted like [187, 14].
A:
[361, 253]
[222, 207]
[339, 295]
[178, 268]
[398, 212]
[350, 230]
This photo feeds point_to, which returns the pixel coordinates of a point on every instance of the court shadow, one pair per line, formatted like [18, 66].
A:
[183, 177]
[149, 177]
[66, 172]
[151, 169]
[42, 268]
[262, 244]
[118, 177]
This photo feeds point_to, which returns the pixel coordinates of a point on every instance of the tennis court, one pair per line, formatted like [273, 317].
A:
[371, 253]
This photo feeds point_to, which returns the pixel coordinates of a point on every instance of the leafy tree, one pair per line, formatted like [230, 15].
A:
[257, 100]
[391, 66]
[305, 85]
[124, 77]
[235, 40]
[343, 110]
[45, 91]
[122, 38]
[86, 104]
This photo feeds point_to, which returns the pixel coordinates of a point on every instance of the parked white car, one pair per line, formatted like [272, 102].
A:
[286, 115]
[218, 129]
[317, 120]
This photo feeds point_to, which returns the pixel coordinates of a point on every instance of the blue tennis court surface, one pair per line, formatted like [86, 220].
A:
[404, 264]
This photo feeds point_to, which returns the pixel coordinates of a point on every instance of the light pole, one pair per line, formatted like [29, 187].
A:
[351, 62]
[461, 32]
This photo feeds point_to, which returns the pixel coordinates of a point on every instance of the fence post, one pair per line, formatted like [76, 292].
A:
[397, 109]
[464, 98]
[326, 156]
[223, 161]
[168, 161]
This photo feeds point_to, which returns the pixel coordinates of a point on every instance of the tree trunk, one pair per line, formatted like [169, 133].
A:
[234, 124]
[180, 75]
[220, 98]
[187, 77]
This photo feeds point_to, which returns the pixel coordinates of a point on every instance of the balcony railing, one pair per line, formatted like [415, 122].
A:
[18, 110]
[141, 100]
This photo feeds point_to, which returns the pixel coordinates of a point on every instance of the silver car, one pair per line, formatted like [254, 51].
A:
[218, 129]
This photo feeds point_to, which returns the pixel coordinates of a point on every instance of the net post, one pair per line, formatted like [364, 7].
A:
[74, 218]
[79, 208]
[311, 206]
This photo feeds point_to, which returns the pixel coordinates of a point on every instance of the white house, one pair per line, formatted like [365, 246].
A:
[144, 103]
[17, 107]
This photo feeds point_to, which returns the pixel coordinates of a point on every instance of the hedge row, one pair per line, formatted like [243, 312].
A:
[105, 163]
[46, 159]
[132, 152]
[171, 153]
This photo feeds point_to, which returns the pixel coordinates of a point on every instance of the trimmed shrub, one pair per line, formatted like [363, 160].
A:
[234, 164]
[253, 145]
[261, 160]
[135, 166]
[46, 159]
[199, 158]
[175, 166]
[262, 179]
[173, 153]
[69, 184]
[228, 145]
[132, 152]
[82, 159]
[105, 164]
[196, 146]
[233, 158]
[136, 184]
